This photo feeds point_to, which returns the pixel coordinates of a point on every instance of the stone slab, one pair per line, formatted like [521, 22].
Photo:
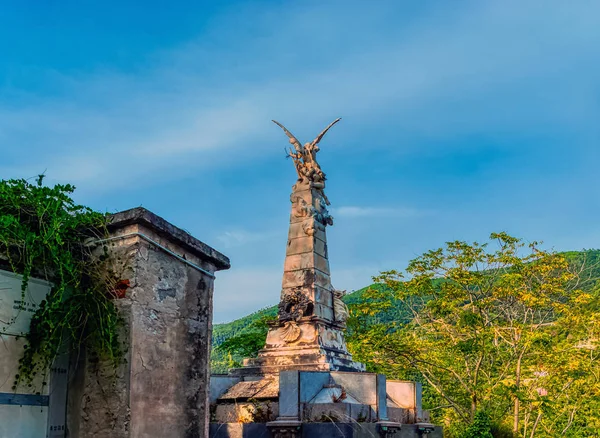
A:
[381, 395]
[333, 338]
[267, 388]
[323, 296]
[297, 230]
[327, 412]
[23, 421]
[220, 384]
[301, 278]
[300, 245]
[311, 384]
[16, 308]
[246, 412]
[402, 393]
[289, 394]
[304, 244]
[308, 260]
[11, 350]
[401, 415]
[361, 386]
[324, 312]
[239, 430]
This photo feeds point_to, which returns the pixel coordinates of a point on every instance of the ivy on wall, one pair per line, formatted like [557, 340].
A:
[44, 233]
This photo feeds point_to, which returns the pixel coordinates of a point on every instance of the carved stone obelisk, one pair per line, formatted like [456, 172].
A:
[308, 334]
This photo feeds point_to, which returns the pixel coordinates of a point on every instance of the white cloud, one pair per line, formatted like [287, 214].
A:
[199, 106]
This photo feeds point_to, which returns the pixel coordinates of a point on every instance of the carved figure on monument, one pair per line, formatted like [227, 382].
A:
[305, 158]
[294, 305]
[303, 208]
[309, 227]
[323, 214]
[340, 309]
[290, 332]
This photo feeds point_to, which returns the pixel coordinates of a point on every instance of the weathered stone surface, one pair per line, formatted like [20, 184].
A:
[317, 430]
[161, 389]
[219, 384]
[402, 393]
[324, 312]
[246, 412]
[256, 389]
[400, 415]
[161, 227]
[323, 296]
[306, 244]
[361, 386]
[305, 277]
[311, 383]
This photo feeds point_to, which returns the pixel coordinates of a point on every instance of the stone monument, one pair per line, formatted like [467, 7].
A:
[309, 332]
[304, 382]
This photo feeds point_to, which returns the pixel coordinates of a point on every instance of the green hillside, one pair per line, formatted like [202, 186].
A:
[253, 326]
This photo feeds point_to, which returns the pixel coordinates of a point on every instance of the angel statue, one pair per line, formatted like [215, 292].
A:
[305, 158]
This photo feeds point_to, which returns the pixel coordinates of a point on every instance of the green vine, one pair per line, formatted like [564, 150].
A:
[45, 234]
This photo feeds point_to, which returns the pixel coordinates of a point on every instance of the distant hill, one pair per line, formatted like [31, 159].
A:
[224, 331]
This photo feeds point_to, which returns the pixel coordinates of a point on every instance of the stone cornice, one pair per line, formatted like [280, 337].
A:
[140, 215]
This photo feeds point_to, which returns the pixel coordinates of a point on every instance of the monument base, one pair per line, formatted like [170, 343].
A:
[296, 403]
[319, 346]
[319, 430]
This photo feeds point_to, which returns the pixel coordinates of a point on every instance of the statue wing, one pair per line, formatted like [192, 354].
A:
[293, 139]
[320, 136]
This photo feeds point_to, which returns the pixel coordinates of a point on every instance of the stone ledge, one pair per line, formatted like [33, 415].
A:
[140, 215]
[314, 430]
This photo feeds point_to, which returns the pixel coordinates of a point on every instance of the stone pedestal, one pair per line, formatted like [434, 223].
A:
[312, 404]
[161, 389]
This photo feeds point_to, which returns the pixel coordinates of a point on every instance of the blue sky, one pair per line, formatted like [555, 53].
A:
[458, 119]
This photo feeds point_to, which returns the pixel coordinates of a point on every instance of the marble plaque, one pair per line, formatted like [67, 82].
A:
[16, 308]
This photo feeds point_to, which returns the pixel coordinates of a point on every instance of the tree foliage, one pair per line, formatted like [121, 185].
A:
[246, 343]
[509, 331]
[43, 233]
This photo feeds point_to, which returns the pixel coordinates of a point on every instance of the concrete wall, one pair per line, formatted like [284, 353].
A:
[162, 387]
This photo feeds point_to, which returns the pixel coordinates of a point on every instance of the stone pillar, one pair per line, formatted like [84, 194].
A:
[306, 266]
[161, 389]
[309, 333]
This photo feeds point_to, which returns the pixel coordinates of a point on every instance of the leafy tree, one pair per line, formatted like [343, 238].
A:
[245, 344]
[489, 330]
[480, 427]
